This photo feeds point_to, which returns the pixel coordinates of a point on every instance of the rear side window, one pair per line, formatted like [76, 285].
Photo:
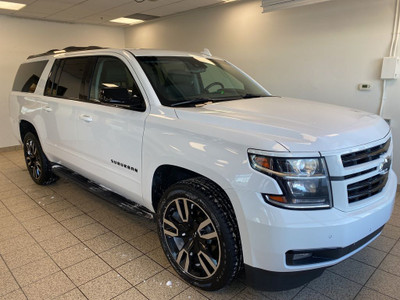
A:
[70, 78]
[28, 76]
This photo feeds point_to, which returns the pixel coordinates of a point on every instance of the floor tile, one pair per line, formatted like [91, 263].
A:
[7, 194]
[309, 294]
[370, 256]
[34, 271]
[11, 232]
[24, 256]
[14, 244]
[49, 287]
[72, 255]
[7, 283]
[22, 206]
[228, 292]
[396, 249]
[368, 294]
[353, 270]
[139, 270]
[130, 232]
[385, 283]
[66, 214]
[8, 221]
[37, 192]
[383, 243]
[159, 257]
[164, 285]
[391, 231]
[15, 295]
[59, 243]
[49, 199]
[75, 294]
[391, 264]
[335, 286]
[90, 231]
[57, 206]
[17, 200]
[147, 242]
[120, 255]
[191, 294]
[48, 232]
[104, 242]
[30, 214]
[131, 294]
[106, 286]
[38, 223]
[77, 222]
[87, 270]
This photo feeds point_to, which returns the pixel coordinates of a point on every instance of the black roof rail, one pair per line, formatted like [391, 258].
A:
[65, 50]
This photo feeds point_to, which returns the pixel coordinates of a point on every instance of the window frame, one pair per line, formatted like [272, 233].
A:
[56, 71]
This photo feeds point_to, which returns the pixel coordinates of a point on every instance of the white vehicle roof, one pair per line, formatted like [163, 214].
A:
[135, 52]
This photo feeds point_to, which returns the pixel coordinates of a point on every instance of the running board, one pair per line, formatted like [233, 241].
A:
[102, 192]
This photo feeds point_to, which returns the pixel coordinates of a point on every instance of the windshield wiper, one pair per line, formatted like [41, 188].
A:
[247, 96]
[193, 102]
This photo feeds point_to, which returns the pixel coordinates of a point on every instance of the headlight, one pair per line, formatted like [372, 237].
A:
[304, 181]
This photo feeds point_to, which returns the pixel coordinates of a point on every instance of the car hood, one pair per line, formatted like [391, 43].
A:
[298, 125]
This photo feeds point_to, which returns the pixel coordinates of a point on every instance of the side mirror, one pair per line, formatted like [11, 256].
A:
[115, 95]
[122, 97]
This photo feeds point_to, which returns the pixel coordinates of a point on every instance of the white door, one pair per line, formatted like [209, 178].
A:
[110, 128]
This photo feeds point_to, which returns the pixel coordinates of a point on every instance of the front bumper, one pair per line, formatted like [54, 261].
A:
[268, 233]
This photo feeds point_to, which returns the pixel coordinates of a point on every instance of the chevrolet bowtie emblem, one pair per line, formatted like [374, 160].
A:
[384, 167]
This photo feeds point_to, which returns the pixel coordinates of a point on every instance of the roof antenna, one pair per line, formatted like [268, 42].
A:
[206, 52]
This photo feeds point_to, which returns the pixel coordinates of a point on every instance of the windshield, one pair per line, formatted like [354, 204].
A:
[188, 81]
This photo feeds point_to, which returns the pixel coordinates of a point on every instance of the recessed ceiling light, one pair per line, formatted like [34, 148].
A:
[11, 5]
[227, 1]
[128, 21]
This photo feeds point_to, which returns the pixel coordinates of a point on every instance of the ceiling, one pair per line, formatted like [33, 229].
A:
[102, 11]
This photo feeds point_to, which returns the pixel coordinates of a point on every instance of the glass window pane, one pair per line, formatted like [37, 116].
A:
[73, 82]
[28, 76]
[113, 83]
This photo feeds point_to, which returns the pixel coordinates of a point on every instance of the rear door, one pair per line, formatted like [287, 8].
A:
[66, 88]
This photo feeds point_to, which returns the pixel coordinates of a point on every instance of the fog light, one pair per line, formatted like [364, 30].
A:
[299, 256]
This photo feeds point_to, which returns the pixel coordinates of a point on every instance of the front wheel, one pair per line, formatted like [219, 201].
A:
[199, 234]
[36, 161]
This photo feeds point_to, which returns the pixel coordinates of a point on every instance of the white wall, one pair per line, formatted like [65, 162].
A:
[319, 52]
[23, 37]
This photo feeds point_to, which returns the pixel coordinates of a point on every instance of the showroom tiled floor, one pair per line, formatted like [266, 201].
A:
[62, 242]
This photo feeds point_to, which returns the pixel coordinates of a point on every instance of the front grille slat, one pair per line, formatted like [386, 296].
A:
[363, 156]
[366, 188]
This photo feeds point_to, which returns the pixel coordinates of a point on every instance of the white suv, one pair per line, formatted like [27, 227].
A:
[236, 177]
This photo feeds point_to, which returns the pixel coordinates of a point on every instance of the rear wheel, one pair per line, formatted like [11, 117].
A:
[36, 161]
[199, 234]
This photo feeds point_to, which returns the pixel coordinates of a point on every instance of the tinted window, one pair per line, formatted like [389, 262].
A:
[28, 76]
[73, 77]
[113, 84]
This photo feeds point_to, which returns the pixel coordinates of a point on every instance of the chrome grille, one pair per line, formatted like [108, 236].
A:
[363, 156]
[366, 188]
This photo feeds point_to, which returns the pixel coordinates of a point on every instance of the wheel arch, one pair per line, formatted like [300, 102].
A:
[25, 127]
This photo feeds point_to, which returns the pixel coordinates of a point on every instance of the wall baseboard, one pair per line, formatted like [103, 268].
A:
[11, 148]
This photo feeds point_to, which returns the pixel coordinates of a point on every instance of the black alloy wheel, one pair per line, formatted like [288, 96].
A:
[38, 166]
[192, 239]
[199, 234]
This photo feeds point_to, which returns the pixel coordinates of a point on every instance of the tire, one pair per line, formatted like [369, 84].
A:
[199, 234]
[36, 161]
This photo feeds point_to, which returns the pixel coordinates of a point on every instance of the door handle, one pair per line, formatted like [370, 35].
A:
[47, 108]
[86, 118]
